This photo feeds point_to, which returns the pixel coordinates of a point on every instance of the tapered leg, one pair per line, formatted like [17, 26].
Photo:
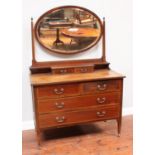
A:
[119, 123]
[38, 136]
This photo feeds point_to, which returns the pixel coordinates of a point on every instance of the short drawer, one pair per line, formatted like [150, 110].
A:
[55, 91]
[83, 69]
[64, 118]
[102, 86]
[86, 69]
[63, 70]
[45, 106]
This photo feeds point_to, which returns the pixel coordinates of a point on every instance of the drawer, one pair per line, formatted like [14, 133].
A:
[55, 91]
[86, 69]
[63, 70]
[102, 86]
[64, 118]
[45, 106]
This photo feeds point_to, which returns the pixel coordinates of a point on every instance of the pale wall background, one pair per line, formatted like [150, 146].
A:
[118, 41]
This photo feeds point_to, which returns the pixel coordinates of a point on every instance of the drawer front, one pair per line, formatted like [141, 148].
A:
[62, 118]
[102, 86]
[55, 91]
[45, 106]
[84, 69]
[63, 70]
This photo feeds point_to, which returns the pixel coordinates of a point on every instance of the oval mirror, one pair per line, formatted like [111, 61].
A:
[68, 30]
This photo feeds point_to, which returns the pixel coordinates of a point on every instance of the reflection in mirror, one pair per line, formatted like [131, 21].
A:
[68, 30]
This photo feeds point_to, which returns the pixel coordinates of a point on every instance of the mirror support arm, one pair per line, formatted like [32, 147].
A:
[33, 45]
[103, 42]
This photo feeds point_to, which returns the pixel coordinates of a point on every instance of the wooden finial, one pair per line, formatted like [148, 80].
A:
[33, 46]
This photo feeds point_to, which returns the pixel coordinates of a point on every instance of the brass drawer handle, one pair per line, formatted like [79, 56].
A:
[60, 119]
[101, 100]
[101, 87]
[63, 71]
[59, 105]
[101, 113]
[59, 91]
[84, 70]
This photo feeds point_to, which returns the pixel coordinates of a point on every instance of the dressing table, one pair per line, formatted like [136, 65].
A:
[72, 92]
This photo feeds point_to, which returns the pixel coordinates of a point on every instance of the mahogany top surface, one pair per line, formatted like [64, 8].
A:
[45, 79]
[81, 32]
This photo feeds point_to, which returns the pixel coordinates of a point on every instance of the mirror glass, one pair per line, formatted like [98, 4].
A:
[68, 30]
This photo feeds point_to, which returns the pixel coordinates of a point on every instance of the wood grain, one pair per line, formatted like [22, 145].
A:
[58, 90]
[42, 79]
[76, 117]
[72, 103]
[91, 139]
[101, 86]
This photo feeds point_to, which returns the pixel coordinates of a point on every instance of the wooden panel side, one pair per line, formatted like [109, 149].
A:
[36, 120]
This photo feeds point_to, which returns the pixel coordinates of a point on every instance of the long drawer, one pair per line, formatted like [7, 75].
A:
[48, 105]
[64, 118]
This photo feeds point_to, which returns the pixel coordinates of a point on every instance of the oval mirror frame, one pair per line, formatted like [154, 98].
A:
[74, 35]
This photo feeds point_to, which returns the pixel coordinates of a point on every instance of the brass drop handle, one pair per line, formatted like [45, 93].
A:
[101, 113]
[84, 70]
[59, 105]
[101, 87]
[59, 91]
[101, 100]
[60, 119]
